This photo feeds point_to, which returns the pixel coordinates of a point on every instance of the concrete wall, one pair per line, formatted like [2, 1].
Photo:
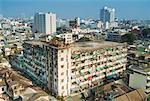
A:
[137, 80]
[4, 89]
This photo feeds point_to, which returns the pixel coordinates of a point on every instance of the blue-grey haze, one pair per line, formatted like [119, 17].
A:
[125, 9]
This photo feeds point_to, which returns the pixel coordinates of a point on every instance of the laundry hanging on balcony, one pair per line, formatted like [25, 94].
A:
[114, 71]
[97, 75]
[98, 69]
[109, 49]
[90, 65]
[85, 79]
[105, 67]
[98, 52]
[76, 56]
[112, 74]
[22, 64]
[73, 76]
[90, 78]
[82, 72]
[90, 71]
[78, 81]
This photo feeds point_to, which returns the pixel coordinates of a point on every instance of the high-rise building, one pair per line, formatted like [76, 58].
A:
[107, 14]
[78, 21]
[74, 68]
[45, 23]
[75, 23]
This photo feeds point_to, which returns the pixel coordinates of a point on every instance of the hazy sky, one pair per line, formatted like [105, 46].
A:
[128, 9]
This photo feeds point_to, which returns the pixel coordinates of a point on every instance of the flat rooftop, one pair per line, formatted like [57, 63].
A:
[141, 70]
[81, 46]
[36, 42]
[91, 45]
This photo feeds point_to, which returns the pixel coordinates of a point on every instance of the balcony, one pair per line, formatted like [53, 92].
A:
[148, 73]
[148, 84]
[147, 91]
[148, 78]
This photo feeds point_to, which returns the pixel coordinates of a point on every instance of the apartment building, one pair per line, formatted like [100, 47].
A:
[74, 68]
[67, 37]
[139, 77]
[45, 23]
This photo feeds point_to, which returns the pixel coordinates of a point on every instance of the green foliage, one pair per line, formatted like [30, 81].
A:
[129, 38]
[148, 98]
[55, 41]
[83, 39]
[60, 98]
[146, 32]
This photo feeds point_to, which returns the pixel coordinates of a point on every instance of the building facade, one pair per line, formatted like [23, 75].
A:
[74, 68]
[67, 37]
[45, 23]
[139, 77]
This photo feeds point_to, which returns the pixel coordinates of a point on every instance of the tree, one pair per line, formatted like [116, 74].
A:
[129, 38]
[146, 32]
[55, 41]
[83, 39]
[60, 98]
[148, 98]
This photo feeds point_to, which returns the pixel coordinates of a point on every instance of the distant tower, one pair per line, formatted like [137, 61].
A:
[45, 23]
[78, 21]
[107, 14]
[1, 16]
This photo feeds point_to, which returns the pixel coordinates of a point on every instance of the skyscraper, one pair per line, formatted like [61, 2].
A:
[107, 14]
[45, 23]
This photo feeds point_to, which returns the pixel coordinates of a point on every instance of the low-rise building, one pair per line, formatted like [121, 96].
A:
[136, 95]
[4, 63]
[139, 77]
[68, 37]
[14, 87]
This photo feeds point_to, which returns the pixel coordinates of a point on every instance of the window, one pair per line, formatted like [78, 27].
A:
[62, 66]
[62, 73]
[62, 59]
[55, 73]
[62, 94]
[15, 87]
[15, 92]
[62, 80]
[62, 87]
[62, 51]
[2, 89]
[43, 73]
[82, 61]
[73, 83]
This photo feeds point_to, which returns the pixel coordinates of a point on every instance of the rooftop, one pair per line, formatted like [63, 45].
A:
[93, 45]
[2, 83]
[136, 95]
[139, 69]
[78, 45]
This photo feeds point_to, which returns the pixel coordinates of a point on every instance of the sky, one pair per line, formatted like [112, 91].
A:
[125, 9]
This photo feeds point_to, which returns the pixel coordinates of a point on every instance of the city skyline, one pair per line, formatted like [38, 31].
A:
[125, 9]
